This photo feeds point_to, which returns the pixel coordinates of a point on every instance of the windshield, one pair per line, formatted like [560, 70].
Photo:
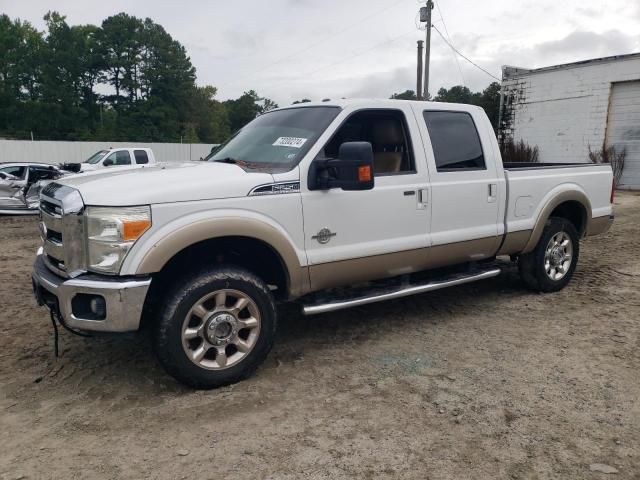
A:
[277, 139]
[96, 157]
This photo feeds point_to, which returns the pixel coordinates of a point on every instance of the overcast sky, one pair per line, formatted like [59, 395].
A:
[290, 49]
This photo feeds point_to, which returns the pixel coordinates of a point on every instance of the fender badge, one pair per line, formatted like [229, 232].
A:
[324, 235]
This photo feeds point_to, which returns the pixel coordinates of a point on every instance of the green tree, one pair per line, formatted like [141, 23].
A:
[21, 54]
[406, 95]
[488, 99]
[120, 43]
[125, 80]
[457, 94]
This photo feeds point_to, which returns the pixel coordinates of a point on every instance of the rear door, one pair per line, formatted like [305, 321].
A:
[464, 190]
[12, 181]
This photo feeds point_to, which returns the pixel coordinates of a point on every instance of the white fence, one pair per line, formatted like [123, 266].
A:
[59, 152]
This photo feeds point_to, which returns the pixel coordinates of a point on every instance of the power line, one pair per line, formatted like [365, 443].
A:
[323, 39]
[462, 55]
[446, 30]
[346, 59]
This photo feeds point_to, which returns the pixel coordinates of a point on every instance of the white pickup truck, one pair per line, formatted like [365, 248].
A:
[383, 198]
[114, 157]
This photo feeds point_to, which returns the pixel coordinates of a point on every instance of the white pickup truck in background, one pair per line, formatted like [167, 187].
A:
[383, 198]
[114, 157]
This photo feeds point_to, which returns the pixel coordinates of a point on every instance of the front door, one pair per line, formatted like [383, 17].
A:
[352, 236]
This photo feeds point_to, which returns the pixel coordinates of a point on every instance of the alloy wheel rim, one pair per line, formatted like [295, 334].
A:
[558, 256]
[221, 329]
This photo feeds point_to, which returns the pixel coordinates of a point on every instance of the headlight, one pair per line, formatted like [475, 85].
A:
[111, 232]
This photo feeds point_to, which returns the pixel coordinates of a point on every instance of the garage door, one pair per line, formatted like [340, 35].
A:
[623, 128]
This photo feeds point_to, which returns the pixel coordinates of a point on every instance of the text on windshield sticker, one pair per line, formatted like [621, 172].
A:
[294, 142]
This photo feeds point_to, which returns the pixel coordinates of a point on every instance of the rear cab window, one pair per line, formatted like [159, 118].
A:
[141, 157]
[455, 141]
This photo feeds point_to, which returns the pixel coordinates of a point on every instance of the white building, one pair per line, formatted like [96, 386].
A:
[564, 109]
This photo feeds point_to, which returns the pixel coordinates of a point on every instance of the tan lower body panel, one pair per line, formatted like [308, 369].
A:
[599, 225]
[346, 272]
[514, 242]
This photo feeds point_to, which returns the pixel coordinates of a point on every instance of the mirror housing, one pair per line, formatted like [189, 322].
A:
[107, 163]
[352, 170]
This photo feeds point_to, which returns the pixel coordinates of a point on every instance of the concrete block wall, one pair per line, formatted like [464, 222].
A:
[563, 110]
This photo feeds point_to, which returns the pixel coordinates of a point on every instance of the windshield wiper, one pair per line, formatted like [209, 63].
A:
[228, 160]
[240, 163]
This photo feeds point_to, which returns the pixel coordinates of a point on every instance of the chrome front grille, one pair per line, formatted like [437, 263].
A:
[62, 229]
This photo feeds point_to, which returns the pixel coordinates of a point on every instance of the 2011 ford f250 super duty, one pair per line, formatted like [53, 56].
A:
[383, 198]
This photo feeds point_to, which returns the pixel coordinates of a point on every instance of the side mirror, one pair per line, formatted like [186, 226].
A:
[352, 170]
[107, 163]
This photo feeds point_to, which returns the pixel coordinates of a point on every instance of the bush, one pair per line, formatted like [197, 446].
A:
[518, 152]
[611, 156]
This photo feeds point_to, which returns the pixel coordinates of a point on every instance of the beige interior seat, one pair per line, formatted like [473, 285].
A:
[387, 140]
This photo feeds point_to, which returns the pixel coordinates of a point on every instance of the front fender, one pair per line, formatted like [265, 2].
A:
[153, 251]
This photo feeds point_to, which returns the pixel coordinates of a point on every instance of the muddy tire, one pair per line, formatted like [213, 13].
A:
[216, 327]
[550, 266]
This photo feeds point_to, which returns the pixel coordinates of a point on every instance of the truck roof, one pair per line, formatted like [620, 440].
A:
[27, 164]
[383, 103]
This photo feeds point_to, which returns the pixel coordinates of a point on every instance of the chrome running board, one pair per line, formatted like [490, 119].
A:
[383, 294]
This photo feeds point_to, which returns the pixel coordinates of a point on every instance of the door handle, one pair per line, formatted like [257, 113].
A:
[493, 192]
[423, 198]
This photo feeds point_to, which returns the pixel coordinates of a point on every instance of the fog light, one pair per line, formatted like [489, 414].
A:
[98, 307]
[86, 306]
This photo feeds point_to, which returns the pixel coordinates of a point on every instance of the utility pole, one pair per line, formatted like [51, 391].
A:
[419, 78]
[428, 9]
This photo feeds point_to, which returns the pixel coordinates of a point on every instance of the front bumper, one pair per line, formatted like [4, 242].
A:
[123, 298]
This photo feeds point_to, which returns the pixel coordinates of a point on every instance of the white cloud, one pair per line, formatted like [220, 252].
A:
[289, 49]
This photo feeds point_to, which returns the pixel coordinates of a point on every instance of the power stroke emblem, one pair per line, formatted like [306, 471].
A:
[324, 235]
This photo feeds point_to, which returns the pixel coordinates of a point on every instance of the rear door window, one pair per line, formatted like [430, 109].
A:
[455, 140]
[41, 173]
[141, 157]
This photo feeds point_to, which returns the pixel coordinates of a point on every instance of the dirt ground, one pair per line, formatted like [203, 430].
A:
[482, 381]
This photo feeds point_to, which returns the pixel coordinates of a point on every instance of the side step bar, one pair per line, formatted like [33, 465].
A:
[383, 294]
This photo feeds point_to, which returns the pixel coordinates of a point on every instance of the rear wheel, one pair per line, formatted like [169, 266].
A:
[216, 328]
[550, 266]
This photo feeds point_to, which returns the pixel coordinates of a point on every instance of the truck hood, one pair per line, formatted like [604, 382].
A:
[164, 183]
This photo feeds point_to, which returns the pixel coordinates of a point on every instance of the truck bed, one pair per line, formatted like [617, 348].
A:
[531, 185]
[539, 166]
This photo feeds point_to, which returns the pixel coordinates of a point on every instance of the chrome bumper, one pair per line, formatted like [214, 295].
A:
[123, 298]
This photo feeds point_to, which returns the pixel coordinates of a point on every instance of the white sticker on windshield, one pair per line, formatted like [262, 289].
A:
[294, 142]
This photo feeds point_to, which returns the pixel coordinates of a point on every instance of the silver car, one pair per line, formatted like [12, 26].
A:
[20, 184]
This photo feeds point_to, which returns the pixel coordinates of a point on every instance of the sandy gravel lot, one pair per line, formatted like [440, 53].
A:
[482, 381]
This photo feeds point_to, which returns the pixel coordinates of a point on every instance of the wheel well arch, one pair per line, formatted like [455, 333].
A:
[252, 254]
[573, 211]
[572, 205]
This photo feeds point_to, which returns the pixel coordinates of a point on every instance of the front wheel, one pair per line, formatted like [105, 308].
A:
[550, 266]
[216, 327]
